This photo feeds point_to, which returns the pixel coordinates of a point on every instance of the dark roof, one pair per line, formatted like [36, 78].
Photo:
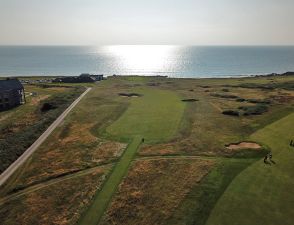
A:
[11, 84]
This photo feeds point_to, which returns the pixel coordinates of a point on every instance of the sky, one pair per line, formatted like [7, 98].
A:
[179, 22]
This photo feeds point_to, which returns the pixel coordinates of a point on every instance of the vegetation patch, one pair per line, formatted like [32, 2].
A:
[190, 100]
[61, 203]
[130, 94]
[154, 189]
[16, 137]
[224, 96]
[257, 109]
[231, 112]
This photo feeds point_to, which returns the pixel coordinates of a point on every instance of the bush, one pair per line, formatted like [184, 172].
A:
[254, 110]
[240, 99]
[224, 95]
[231, 112]
[260, 101]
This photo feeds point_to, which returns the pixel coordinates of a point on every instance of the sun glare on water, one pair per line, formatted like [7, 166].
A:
[140, 58]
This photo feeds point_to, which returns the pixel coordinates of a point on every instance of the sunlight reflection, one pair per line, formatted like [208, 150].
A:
[140, 58]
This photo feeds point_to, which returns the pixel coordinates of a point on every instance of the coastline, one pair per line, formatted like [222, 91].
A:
[285, 74]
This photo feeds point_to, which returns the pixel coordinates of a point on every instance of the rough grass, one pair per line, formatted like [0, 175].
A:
[60, 203]
[93, 215]
[260, 194]
[153, 190]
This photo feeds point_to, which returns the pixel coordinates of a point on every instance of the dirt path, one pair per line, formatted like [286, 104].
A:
[14, 166]
[100, 203]
[45, 184]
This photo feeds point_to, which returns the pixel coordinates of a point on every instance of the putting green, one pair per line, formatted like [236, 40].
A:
[155, 116]
[262, 194]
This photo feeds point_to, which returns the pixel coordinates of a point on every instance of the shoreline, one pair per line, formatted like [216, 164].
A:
[286, 74]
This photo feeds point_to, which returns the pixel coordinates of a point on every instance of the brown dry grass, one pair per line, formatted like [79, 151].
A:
[36, 100]
[60, 203]
[153, 190]
[79, 150]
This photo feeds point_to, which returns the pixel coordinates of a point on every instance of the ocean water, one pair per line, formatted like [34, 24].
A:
[173, 61]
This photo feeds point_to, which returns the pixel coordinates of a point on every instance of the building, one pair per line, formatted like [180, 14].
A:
[93, 76]
[11, 94]
[83, 78]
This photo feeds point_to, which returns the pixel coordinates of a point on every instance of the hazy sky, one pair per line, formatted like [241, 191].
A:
[188, 22]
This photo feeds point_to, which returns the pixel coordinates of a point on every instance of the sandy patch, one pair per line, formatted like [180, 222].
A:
[37, 99]
[244, 145]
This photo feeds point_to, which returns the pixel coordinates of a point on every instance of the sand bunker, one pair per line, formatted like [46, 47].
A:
[243, 145]
[130, 95]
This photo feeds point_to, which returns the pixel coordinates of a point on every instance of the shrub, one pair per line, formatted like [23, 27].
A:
[260, 101]
[254, 110]
[224, 95]
[231, 112]
[240, 99]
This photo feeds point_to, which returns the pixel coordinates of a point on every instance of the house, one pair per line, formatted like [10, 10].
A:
[93, 76]
[73, 80]
[83, 78]
[11, 94]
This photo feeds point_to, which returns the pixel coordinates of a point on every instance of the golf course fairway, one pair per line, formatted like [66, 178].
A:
[262, 193]
[155, 117]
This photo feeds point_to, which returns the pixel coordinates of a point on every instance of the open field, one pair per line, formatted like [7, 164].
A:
[180, 174]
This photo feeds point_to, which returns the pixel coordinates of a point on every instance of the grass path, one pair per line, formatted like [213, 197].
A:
[262, 194]
[94, 213]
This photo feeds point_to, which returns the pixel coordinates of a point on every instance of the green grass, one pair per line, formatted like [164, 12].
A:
[94, 213]
[262, 194]
[155, 116]
[195, 209]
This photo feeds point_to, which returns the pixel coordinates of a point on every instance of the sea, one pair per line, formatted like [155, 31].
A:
[147, 60]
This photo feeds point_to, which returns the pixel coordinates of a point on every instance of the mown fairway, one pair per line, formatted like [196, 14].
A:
[155, 116]
[262, 194]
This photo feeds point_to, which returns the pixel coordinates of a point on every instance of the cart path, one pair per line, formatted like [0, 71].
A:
[16, 164]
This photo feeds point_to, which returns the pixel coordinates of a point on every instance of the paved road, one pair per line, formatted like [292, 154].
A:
[14, 166]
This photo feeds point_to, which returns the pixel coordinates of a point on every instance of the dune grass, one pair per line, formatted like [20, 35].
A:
[262, 194]
[155, 116]
[94, 213]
